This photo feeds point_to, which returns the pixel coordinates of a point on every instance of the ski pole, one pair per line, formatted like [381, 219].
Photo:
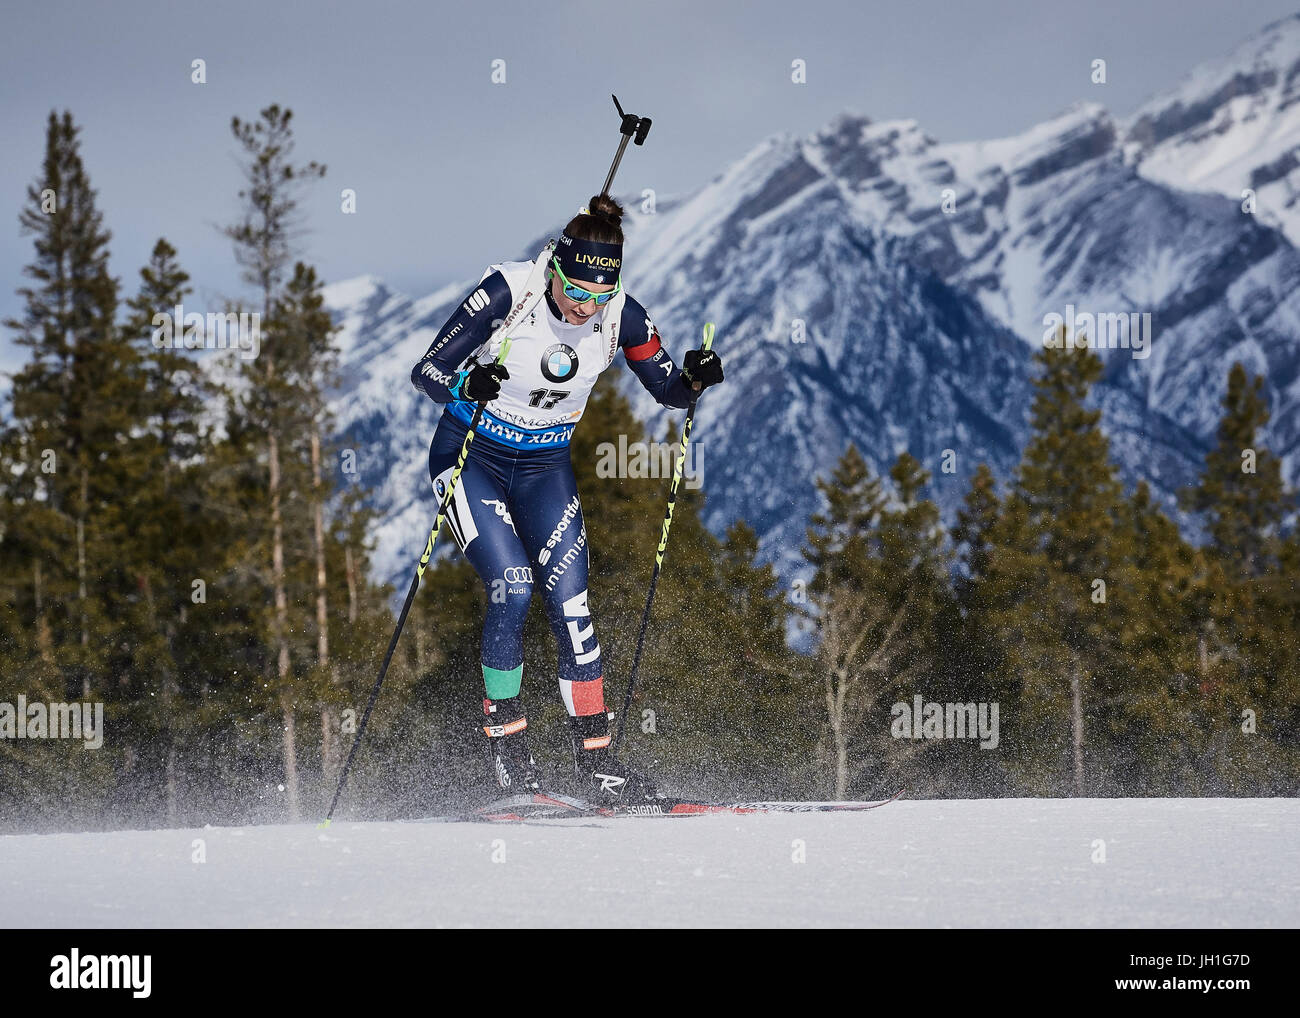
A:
[410, 594]
[659, 553]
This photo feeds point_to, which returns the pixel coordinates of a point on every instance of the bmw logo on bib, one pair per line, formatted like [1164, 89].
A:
[559, 362]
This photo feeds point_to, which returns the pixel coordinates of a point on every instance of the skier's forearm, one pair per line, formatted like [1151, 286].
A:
[677, 394]
[658, 374]
[435, 383]
[435, 374]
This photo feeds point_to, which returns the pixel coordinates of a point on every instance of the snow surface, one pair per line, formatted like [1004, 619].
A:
[1217, 863]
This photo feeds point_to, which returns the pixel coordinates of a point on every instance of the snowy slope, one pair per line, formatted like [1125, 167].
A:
[1230, 125]
[1216, 863]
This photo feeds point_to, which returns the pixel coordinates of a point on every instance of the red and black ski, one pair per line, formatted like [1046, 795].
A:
[553, 806]
[687, 807]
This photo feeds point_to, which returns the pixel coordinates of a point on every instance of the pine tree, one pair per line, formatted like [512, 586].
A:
[1247, 635]
[975, 521]
[71, 440]
[879, 598]
[1053, 558]
[973, 660]
[971, 663]
[308, 360]
[72, 400]
[174, 537]
[32, 778]
[767, 712]
[263, 240]
[1241, 490]
[1160, 596]
[916, 557]
[841, 599]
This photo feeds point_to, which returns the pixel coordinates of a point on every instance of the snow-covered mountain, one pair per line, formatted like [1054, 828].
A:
[1056, 218]
[1230, 126]
[922, 273]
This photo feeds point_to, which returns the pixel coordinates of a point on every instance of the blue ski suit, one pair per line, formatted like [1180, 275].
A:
[516, 513]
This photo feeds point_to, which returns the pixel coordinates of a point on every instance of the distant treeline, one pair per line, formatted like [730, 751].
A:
[184, 540]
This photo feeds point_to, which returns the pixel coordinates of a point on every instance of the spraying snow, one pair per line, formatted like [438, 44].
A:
[1217, 863]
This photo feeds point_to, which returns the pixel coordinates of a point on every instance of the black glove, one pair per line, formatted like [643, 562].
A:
[482, 382]
[700, 369]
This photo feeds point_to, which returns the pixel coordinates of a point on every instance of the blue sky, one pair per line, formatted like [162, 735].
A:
[453, 171]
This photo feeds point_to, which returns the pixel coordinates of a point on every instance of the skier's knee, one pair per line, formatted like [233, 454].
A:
[513, 589]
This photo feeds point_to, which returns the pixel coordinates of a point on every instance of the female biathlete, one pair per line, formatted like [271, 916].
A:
[515, 512]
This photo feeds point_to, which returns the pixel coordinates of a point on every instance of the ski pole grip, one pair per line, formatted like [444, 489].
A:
[505, 349]
[708, 335]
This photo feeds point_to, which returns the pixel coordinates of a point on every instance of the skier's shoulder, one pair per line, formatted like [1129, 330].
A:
[494, 290]
[514, 275]
[503, 286]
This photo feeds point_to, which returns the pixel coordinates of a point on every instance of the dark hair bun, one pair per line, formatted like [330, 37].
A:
[602, 222]
[602, 206]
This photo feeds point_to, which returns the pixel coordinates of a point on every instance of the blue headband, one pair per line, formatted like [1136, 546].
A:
[589, 260]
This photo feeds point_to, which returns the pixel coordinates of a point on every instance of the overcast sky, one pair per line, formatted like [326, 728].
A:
[453, 171]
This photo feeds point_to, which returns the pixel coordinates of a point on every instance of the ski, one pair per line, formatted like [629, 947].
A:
[555, 806]
[535, 806]
[687, 807]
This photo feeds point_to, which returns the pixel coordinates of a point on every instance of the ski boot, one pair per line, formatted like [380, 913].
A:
[506, 729]
[602, 777]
